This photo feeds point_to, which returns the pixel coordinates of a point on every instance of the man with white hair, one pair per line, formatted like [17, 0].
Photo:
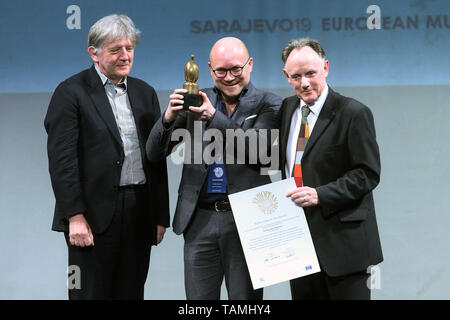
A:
[111, 203]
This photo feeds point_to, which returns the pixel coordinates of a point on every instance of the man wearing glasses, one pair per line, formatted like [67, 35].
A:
[212, 248]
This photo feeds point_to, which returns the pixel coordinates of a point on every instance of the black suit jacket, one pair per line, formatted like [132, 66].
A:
[257, 110]
[86, 154]
[342, 162]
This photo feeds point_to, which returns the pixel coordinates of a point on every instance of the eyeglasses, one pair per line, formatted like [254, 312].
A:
[235, 71]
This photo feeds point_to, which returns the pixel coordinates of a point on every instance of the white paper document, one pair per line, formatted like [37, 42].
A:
[274, 234]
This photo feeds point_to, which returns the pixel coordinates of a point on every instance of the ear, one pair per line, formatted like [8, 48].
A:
[286, 74]
[250, 65]
[93, 54]
[326, 67]
[210, 69]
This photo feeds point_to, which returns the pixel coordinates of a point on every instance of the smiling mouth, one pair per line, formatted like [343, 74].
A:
[232, 84]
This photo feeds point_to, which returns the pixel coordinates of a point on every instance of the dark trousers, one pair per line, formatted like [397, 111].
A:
[116, 267]
[319, 286]
[212, 251]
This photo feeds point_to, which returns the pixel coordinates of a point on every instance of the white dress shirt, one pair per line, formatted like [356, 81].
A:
[295, 128]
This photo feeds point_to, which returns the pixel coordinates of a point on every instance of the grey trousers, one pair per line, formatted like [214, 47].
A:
[212, 251]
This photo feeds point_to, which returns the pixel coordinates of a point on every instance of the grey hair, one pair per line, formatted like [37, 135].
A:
[300, 43]
[116, 26]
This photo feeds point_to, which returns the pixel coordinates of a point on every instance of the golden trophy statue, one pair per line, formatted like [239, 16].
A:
[191, 98]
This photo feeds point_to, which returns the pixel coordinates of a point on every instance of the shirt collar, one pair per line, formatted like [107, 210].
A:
[106, 81]
[318, 104]
[220, 105]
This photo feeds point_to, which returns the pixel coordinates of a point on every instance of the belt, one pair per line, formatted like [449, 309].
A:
[136, 187]
[218, 206]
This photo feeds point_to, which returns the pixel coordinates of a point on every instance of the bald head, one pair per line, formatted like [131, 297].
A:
[230, 54]
[228, 46]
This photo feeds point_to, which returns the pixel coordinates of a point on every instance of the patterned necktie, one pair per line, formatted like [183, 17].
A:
[303, 136]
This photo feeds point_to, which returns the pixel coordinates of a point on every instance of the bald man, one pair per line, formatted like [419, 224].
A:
[212, 249]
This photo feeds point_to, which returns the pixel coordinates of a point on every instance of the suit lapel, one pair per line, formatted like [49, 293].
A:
[326, 115]
[291, 106]
[102, 104]
[247, 104]
[245, 109]
[142, 119]
[212, 96]
[287, 117]
[137, 108]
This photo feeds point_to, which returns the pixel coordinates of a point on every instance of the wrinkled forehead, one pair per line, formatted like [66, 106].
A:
[304, 56]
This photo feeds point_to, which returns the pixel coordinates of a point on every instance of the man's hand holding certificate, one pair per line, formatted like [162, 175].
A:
[304, 196]
[274, 234]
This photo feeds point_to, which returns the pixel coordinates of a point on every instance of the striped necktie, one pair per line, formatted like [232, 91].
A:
[303, 136]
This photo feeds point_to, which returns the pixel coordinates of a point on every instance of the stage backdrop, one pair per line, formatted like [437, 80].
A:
[391, 55]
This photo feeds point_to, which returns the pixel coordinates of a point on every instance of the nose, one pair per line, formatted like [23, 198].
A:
[123, 53]
[304, 82]
[229, 76]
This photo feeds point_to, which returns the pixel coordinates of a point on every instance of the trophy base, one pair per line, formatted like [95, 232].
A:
[194, 100]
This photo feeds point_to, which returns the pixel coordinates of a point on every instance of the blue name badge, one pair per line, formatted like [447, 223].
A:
[217, 180]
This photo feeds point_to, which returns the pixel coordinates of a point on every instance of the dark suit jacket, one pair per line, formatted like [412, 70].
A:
[257, 110]
[86, 154]
[342, 162]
